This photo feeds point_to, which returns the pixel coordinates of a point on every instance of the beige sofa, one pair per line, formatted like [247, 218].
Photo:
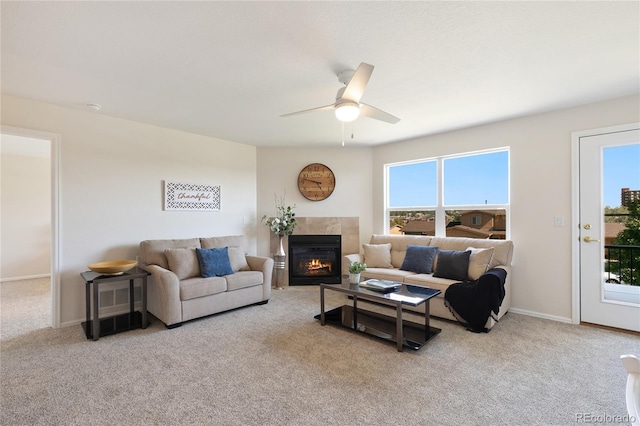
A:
[177, 292]
[499, 255]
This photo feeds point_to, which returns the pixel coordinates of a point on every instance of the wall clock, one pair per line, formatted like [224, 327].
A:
[316, 182]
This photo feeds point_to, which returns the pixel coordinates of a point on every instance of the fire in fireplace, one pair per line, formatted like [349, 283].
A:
[315, 259]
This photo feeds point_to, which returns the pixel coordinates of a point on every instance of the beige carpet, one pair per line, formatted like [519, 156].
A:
[274, 364]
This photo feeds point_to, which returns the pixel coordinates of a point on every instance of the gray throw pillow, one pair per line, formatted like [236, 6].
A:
[419, 259]
[452, 264]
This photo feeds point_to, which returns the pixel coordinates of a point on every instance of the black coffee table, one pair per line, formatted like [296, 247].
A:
[404, 333]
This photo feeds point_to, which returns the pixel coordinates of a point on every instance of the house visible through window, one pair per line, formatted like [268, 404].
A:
[466, 195]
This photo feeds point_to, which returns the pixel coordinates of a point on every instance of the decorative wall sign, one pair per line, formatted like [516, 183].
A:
[191, 196]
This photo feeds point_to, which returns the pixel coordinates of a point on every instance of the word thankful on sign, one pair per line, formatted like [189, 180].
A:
[191, 196]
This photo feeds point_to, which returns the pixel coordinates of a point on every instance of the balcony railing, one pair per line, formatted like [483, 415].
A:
[622, 264]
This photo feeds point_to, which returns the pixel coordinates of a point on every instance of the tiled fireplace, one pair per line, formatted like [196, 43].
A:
[348, 228]
[314, 259]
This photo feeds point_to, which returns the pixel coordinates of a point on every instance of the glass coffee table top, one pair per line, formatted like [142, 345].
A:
[407, 294]
[395, 329]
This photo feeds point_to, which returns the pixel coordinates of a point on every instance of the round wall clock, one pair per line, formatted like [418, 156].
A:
[316, 182]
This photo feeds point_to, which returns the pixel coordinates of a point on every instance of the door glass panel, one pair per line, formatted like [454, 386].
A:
[621, 193]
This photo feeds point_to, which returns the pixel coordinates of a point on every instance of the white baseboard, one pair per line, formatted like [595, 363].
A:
[540, 315]
[28, 277]
[72, 323]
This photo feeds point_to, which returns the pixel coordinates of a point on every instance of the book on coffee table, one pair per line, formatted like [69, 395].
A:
[381, 285]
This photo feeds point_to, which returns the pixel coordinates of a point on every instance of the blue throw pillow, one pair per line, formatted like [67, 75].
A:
[419, 259]
[453, 265]
[214, 262]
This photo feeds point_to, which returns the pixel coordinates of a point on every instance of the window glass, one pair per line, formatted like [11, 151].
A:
[413, 222]
[483, 224]
[476, 179]
[412, 185]
[476, 184]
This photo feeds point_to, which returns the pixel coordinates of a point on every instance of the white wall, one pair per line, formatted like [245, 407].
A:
[540, 189]
[111, 173]
[278, 170]
[112, 169]
[25, 201]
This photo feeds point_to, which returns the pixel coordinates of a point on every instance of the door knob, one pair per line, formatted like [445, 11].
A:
[588, 239]
[587, 226]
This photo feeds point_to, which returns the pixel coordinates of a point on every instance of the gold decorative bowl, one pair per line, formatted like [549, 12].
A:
[113, 267]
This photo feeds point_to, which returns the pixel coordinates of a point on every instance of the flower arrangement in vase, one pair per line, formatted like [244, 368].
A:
[283, 223]
[355, 268]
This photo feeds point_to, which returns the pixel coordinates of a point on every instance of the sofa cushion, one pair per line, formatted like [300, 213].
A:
[152, 251]
[428, 280]
[399, 245]
[392, 274]
[214, 262]
[377, 255]
[479, 262]
[238, 259]
[243, 279]
[452, 264]
[192, 288]
[419, 259]
[183, 262]
[228, 241]
[502, 254]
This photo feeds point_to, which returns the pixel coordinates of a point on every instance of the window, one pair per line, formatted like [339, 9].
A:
[412, 184]
[464, 195]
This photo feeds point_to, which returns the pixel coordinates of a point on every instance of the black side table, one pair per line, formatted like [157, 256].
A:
[96, 328]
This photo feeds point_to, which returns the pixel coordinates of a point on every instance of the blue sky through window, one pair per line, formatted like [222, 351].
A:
[477, 179]
[469, 180]
[413, 185]
[621, 169]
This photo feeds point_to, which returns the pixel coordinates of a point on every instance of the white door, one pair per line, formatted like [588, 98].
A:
[608, 162]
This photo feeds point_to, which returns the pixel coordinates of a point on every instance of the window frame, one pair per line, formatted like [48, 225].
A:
[440, 209]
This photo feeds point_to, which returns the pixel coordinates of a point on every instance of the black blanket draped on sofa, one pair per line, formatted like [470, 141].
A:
[473, 302]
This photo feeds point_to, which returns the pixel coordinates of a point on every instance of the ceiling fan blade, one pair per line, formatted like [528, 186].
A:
[332, 106]
[378, 114]
[355, 87]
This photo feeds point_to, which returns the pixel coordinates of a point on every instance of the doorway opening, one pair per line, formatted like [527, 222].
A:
[29, 241]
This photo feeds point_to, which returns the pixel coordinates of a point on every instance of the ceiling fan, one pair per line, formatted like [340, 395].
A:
[347, 105]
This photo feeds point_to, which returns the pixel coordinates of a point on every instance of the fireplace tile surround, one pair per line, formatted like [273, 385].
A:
[347, 227]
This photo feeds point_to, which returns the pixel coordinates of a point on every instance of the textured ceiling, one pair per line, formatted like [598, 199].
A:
[230, 69]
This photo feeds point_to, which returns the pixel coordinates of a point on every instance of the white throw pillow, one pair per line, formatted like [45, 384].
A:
[479, 261]
[377, 255]
[183, 262]
[238, 259]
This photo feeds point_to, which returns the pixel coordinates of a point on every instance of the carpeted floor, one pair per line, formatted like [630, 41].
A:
[275, 365]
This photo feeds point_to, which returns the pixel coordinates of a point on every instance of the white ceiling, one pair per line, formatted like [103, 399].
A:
[230, 69]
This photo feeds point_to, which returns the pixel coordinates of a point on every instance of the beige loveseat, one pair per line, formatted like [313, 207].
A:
[177, 292]
[379, 266]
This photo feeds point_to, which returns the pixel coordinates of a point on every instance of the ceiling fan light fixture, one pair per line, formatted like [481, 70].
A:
[347, 111]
